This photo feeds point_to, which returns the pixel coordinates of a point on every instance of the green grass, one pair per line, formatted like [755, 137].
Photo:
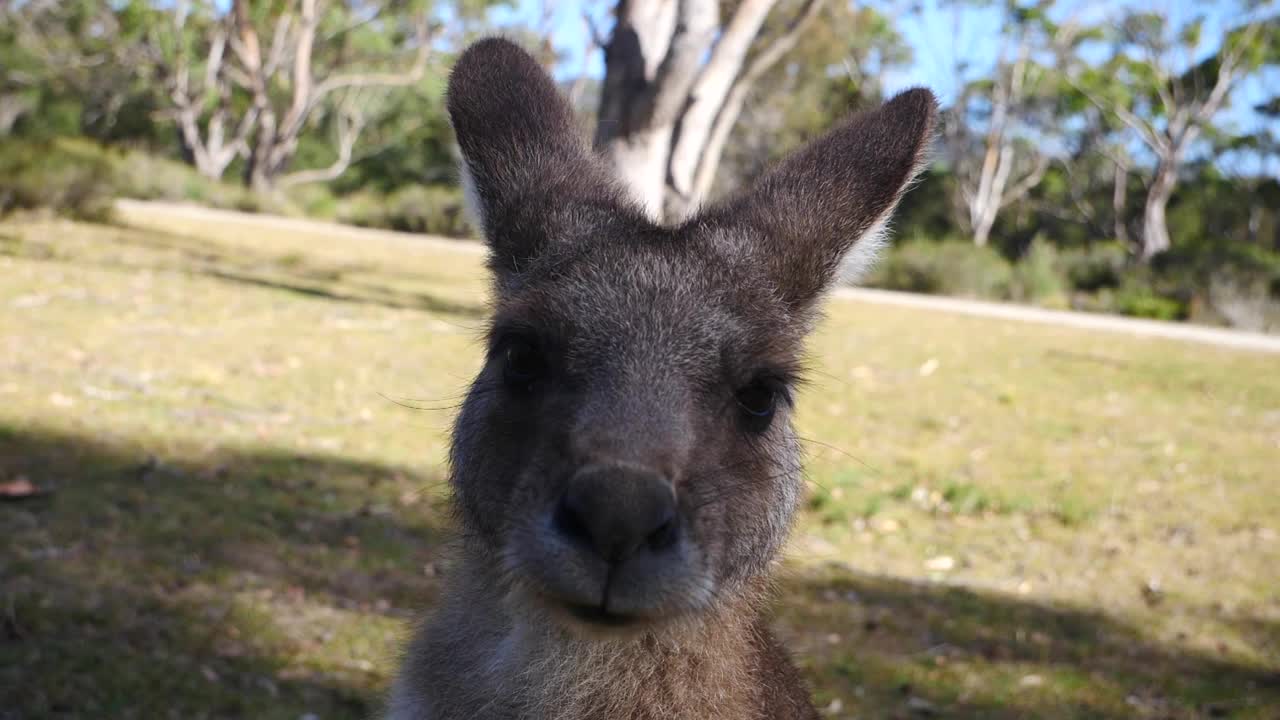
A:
[1006, 520]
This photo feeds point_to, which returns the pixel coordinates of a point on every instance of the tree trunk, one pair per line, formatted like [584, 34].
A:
[1119, 194]
[670, 96]
[1155, 231]
[12, 108]
[706, 100]
[982, 228]
[651, 61]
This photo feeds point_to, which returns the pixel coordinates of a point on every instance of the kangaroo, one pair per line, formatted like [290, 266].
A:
[624, 468]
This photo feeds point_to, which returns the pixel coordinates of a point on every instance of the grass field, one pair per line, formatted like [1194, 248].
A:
[1005, 521]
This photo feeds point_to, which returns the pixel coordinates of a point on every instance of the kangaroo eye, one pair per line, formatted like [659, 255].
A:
[758, 401]
[523, 364]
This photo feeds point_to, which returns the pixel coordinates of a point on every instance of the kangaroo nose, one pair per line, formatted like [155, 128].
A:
[616, 511]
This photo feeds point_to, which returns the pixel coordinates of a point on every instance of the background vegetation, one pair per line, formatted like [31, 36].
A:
[1118, 159]
[222, 436]
[242, 447]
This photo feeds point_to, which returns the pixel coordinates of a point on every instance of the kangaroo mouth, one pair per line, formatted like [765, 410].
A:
[600, 616]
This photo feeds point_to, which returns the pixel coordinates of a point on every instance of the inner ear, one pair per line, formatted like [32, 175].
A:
[526, 167]
[838, 192]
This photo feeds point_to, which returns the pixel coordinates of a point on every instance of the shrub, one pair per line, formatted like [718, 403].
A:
[1093, 268]
[1037, 276]
[67, 177]
[1138, 299]
[431, 209]
[148, 177]
[947, 268]
[314, 201]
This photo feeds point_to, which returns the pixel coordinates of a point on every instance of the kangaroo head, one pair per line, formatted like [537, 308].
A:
[626, 454]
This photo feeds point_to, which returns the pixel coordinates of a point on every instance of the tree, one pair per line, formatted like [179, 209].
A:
[71, 61]
[235, 95]
[996, 129]
[675, 81]
[1168, 101]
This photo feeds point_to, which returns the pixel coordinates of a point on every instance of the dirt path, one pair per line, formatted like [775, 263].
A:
[1090, 321]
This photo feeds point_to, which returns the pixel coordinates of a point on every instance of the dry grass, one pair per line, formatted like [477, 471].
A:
[1007, 520]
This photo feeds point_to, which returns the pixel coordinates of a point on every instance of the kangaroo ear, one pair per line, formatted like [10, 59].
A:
[526, 169]
[801, 218]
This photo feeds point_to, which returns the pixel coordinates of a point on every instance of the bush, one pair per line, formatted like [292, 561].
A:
[1138, 299]
[314, 201]
[1037, 277]
[1094, 268]
[148, 177]
[71, 178]
[946, 268]
[431, 209]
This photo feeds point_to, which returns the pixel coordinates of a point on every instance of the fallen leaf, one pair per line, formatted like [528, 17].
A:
[20, 488]
[941, 562]
[60, 400]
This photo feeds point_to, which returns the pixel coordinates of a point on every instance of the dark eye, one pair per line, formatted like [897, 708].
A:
[758, 401]
[523, 364]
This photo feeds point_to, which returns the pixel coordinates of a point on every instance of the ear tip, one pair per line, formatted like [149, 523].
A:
[485, 59]
[915, 110]
[918, 99]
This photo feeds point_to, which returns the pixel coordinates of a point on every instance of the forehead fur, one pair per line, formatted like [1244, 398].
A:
[653, 290]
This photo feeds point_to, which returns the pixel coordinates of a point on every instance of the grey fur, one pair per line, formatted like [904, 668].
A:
[651, 343]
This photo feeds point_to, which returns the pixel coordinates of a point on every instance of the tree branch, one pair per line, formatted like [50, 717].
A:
[695, 26]
[1149, 134]
[409, 76]
[349, 123]
[727, 118]
[1028, 182]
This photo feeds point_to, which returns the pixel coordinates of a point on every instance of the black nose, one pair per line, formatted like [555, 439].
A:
[616, 511]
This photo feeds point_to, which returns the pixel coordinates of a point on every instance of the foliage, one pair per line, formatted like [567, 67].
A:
[1140, 300]
[947, 268]
[1037, 276]
[432, 209]
[66, 177]
[1093, 268]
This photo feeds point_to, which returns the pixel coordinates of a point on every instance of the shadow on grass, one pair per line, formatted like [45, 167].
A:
[185, 582]
[195, 582]
[915, 648]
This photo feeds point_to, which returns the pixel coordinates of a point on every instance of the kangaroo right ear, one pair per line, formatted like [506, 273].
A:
[829, 202]
[527, 171]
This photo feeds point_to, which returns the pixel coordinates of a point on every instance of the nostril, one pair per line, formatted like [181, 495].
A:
[569, 522]
[665, 535]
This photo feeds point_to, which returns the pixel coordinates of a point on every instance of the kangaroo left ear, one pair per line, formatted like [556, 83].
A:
[527, 170]
[801, 218]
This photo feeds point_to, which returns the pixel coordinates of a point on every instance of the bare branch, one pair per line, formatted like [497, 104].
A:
[1148, 132]
[785, 42]
[594, 43]
[349, 123]
[595, 37]
[709, 92]
[1028, 181]
[415, 72]
[1228, 74]
[695, 26]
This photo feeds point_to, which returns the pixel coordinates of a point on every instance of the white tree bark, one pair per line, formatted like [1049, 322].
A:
[671, 96]
[265, 132]
[651, 62]
[992, 185]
